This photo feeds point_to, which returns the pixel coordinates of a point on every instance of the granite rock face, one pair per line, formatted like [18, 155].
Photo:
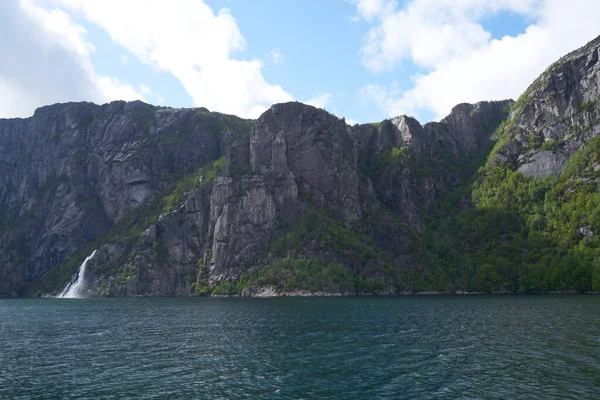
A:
[174, 200]
[556, 116]
[293, 160]
[72, 171]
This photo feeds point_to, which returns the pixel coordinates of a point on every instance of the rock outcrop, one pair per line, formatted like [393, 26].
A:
[556, 116]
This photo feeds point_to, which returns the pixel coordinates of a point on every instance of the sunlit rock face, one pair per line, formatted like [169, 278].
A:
[556, 116]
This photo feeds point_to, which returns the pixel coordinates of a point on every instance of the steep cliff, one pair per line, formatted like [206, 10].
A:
[72, 171]
[172, 197]
[556, 117]
[299, 189]
[187, 202]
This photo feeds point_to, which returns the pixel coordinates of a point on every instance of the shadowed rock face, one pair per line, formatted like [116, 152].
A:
[299, 157]
[409, 186]
[73, 171]
[302, 158]
[294, 159]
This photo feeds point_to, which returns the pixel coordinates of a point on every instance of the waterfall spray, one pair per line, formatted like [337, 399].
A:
[75, 288]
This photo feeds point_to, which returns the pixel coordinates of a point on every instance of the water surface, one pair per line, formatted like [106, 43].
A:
[535, 347]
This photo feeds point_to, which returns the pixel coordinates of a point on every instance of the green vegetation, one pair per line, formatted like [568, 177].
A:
[160, 251]
[311, 275]
[230, 288]
[393, 155]
[201, 288]
[524, 234]
[536, 140]
[587, 106]
[552, 145]
[306, 254]
[308, 274]
[125, 274]
[194, 181]
[319, 229]
[103, 288]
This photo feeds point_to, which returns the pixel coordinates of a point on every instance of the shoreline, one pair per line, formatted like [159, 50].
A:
[267, 293]
[271, 294]
[271, 291]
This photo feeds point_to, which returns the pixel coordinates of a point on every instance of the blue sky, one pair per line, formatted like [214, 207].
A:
[365, 60]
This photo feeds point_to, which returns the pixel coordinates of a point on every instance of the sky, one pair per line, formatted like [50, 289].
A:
[364, 60]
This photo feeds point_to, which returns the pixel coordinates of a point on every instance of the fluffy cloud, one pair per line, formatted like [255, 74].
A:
[187, 39]
[464, 64]
[429, 31]
[320, 100]
[46, 59]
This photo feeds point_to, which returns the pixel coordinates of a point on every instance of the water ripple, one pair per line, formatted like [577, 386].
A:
[492, 347]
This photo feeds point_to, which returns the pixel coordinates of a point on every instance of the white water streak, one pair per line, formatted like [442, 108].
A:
[75, 288]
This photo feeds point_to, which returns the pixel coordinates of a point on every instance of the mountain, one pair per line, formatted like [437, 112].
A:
[497, 196]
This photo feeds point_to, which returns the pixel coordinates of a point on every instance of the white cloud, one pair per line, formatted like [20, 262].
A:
[46, 59]
[370, 9]
[320, 100]
[112, 89]
[144, 89]
[429, 31]
[156, 98]
[464, 63]
[276, 57]
[381, 96]
[187, 39]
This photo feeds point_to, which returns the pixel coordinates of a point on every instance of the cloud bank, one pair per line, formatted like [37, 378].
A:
[461, 60]
[46, 59]
[197, 46]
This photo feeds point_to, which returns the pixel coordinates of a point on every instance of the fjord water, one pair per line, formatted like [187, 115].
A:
[348, 348]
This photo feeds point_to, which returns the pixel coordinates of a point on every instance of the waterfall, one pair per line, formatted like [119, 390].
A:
[76, 287]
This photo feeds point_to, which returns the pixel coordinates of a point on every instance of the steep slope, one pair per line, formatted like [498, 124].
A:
[556, 117]
[535, 206]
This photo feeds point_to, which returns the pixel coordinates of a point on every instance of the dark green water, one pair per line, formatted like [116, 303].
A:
[486, 347]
